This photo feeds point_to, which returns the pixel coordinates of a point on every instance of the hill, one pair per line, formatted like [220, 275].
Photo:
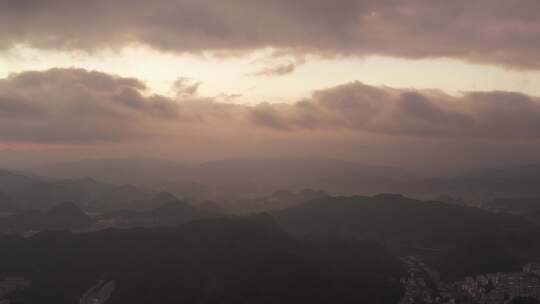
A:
[213, 261]
[467, 240]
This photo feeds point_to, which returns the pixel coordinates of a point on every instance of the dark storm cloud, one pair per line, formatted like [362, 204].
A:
[486, 31]
[78, 106]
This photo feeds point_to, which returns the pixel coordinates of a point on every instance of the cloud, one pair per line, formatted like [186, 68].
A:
[411, 113]
[184, 86]
[95, 113]
[75, 106]
[278, 70]
[224, 97]
[279, 63]
[484, 31]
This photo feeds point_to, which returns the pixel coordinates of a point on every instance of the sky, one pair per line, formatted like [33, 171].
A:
[427, 83]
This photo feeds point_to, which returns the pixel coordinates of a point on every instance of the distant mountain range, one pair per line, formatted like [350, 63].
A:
[243, 178]
[161, 210]
[124, 184]
[168, 212]
[278, 200]
[527, 207]
[231, 178]
[27, 192]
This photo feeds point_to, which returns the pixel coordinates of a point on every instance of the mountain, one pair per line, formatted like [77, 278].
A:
[234, 178]
[163, 197]
[124, 197]
[272, 174]
[31, 192]
[528, 172]
[189, 190]
[477, 240]
[482, 185]
[472, 186]
[166, 213]
[43, 194]
[22, 222]
[67, 216]
[7, 204]
[311, 194]
[278, 200]
[175, 212]
[117, 171]
[212, 261]
[61, 217]
[11, 182]
[248, 178]
[145, 202]
[528, 207]
[35, 192]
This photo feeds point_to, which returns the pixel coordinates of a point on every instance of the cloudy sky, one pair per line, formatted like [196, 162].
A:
[408, 83]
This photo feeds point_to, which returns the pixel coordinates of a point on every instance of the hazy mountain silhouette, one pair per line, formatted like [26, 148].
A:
[117, 171]
[62, 217]
[482, 185]
[163, 210]
[11, 182]
[528, 207]
[236, 177]
[16, 187]
[175, 212]
[243, 177]
[529, 172]
[7, 204]
[118, 198]
[278, 200]
[43, 194]
[165, 213]
[67, 216]
[153, 202]
[30, 192]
